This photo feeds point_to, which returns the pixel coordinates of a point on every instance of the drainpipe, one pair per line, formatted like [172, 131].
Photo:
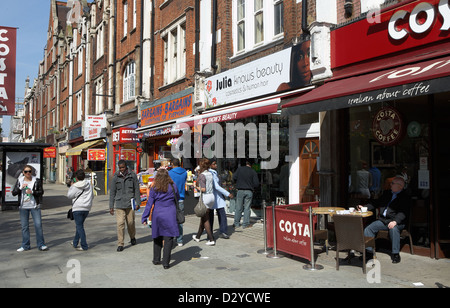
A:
[197, 35]
[141, 51]
[152, 51]
[214, 38]
[305, 30]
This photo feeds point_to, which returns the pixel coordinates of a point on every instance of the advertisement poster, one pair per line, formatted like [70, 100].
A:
[15, 163]
[96, 154]
[284, 70]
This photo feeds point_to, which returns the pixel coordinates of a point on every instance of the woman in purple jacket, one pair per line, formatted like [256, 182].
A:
[164, 222]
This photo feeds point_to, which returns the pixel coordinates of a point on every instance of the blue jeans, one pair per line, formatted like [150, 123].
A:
[24, 221]
[243, 203]
[80, 235]
[394, 233]
[222, 216]
[180, 226]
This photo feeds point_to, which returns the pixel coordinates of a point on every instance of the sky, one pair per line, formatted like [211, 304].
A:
[31, 18]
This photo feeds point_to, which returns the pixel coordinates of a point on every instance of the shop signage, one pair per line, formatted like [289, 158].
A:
[400, 23]
[124, 135]
[7, 70]
[266, 75]
[412, 25]
[50, 152]
[387, 126]
[96, 154]
[128, 154]
[167, 111]
[293, 232]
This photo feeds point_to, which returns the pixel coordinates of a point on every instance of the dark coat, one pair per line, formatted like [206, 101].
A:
[38, 191]
[397, 211]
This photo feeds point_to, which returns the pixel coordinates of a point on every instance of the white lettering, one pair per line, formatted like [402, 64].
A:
[415, 24]
[2, 38]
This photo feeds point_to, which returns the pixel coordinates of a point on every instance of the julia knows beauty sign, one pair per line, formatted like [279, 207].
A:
[387, 126]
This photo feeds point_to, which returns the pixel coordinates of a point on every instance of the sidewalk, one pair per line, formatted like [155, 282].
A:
[232, 263]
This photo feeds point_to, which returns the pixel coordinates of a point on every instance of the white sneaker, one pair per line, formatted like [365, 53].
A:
[43, 248]
[195, 238]
[210, 243]
[21, 249]
[179, 244]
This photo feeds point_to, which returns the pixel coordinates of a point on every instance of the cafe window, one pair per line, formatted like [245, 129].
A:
[377, 154]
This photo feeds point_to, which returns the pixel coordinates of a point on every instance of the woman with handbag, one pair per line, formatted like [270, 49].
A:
[205, 182]
[163, 195]
[81, 194]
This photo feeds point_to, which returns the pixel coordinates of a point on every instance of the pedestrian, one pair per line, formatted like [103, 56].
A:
[179, 176]
[81, 193]
[124, 190]
[219, 202]
[246, 181]
[161, 198]
[30, 191]
[205, 185]
[394, 205]
[69, 176]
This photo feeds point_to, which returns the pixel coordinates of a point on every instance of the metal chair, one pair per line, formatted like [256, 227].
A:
[350, 236]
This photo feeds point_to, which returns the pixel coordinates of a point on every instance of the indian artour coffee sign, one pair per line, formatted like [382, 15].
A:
[260, 77]
[7, 70]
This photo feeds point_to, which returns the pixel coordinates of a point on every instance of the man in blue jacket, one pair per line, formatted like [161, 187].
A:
[179, 175]
[219, 202]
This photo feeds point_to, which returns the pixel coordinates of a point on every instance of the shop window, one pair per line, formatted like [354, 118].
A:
[373, 163]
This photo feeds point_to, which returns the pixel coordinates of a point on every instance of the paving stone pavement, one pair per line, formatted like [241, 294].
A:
[231, 263]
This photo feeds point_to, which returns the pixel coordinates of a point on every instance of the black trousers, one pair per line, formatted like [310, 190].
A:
[158, 246]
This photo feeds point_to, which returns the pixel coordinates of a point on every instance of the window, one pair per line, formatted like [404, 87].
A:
[256, 23]
[129, 76]
[125, 18]
[80, 61]
[134, 14]
[174, 40]
[98, 86]
[79, 97]
[100, 41]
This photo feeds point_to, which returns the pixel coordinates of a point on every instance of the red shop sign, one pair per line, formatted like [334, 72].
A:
[50, 152]
[7, 70]
[408, 26]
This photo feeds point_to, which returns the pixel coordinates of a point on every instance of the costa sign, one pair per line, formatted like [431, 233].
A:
[387, 126]
[421, 19]
[7, 70]
[403, 28]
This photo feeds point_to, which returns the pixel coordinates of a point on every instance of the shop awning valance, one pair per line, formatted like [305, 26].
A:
[86, 145]
[422, 78]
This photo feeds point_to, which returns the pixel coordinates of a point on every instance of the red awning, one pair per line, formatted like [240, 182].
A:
[411, 80]
[233, 113]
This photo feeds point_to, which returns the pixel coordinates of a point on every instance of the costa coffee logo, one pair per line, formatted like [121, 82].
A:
[388, 126]
[420, 20]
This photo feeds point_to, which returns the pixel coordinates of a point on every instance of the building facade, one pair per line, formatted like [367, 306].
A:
[131, 78]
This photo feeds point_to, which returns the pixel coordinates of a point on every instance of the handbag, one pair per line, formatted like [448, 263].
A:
[70, 214]
[200, 208]
[180, 212]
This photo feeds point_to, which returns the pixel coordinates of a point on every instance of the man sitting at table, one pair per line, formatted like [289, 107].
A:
[393, 204]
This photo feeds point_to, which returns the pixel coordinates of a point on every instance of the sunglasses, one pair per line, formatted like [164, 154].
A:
[26, 171]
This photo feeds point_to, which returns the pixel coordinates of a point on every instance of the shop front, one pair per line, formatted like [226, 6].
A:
[125, 146]
[386, 113]
[89, 152]
[155, 131]
[241, 121]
